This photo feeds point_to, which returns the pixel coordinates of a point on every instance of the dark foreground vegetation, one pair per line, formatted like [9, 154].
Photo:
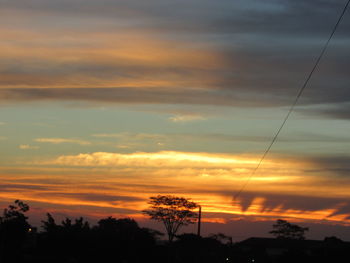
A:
[124, 241]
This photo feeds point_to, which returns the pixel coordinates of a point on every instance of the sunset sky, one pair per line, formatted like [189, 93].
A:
[105, 103]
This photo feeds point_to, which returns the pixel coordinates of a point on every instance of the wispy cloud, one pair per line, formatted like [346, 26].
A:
[28, 147]
[107, 135]
[128, 140]
[186, 118]
[62, 140]
[155, 159]
[131, 136]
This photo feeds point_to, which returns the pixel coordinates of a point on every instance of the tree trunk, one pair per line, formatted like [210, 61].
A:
[171, 237]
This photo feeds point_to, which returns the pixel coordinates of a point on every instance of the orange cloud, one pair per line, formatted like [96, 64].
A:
[91, 59]
[124, 182]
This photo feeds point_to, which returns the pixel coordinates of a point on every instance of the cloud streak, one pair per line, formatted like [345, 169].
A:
[28, 147]
[157, 54]
[123, 191]
[62, 140]
[186, 118]
[157, 159]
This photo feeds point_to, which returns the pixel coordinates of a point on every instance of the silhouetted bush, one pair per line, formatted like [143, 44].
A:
[14, 230]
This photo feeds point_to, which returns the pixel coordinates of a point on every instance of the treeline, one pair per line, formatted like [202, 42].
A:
[124, 241]
[111, 240]
[121, 240]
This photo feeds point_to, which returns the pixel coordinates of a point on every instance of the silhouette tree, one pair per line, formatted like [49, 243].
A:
[120, 238]
[173, 211]
[50, 225]
[284, 229]
[190, 248]
[222, 238]
[13, 231]
[68, 241]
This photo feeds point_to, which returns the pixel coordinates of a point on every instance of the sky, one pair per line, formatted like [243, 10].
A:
[104, 103]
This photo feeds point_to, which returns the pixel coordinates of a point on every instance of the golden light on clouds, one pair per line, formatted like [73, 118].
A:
[156, 159]
[124, 182]
[128, 196]
[122, 58]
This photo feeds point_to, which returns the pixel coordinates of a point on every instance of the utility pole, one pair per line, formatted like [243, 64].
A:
[199, 221]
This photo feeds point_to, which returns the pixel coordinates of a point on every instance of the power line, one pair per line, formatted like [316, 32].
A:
[295, 101]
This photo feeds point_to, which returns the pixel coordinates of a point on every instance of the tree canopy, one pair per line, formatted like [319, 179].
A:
[13, 230]
[284, 229]
[173, 211]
